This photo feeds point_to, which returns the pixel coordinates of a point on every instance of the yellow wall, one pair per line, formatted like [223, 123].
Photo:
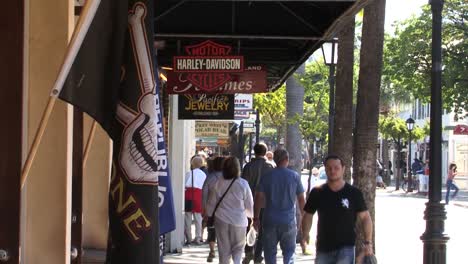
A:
[46, 229]
[96, 188]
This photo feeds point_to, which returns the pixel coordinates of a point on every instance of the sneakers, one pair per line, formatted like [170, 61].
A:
[211, 256]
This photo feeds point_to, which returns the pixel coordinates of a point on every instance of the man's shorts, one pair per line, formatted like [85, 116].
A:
[211, 235]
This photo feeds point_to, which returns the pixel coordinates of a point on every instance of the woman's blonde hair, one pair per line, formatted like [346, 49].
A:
[196, 162]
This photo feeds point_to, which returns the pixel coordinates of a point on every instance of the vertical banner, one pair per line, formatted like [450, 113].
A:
[113, 80]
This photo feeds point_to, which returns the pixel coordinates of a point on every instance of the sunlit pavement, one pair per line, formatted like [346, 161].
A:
[399, 224]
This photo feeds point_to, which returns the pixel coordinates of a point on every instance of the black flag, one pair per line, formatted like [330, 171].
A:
[113, 80]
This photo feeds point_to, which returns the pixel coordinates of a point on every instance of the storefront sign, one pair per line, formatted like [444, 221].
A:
[241, 115]
[243, 102]
[203, 106]
[249, 126]
[460, 130]
[252, 80]
[209, 67]
[211, 129]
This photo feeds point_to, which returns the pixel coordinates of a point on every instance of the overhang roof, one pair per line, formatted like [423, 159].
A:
[280, 35]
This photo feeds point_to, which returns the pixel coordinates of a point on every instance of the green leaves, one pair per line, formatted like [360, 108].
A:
[272, 107]
[407, 57]
[394, 128]
[314, 123]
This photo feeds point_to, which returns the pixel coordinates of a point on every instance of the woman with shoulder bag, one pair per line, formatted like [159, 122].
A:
[194, 180]
[216, 172]
[230, 202]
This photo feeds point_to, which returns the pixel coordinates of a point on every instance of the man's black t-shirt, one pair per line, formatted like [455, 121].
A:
[337, 213]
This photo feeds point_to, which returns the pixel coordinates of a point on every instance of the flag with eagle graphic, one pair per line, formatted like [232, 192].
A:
[113, 80]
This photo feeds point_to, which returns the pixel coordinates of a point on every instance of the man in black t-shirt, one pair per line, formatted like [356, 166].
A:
[338, 205]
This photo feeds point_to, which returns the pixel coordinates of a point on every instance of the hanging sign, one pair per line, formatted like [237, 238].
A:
[209, 67]
[205, 106]
[243, 102]
[211, 129]
[460, 130]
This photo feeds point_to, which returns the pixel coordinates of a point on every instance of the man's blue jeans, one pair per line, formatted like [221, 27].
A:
[285, 234]
[344, 255]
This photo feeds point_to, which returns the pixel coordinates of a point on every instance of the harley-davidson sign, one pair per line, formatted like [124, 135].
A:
[209, 68]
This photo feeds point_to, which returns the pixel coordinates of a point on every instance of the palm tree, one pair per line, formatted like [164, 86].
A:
[343, 125]
[294, 107]
[367, 109]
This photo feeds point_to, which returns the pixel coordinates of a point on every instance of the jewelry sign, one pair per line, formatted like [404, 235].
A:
[205, 106]
[209, 67]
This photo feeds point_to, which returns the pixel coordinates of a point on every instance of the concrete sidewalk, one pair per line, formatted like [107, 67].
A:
[460, 200]
[198, 254]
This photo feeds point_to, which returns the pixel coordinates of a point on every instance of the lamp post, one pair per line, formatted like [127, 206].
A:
[330, 56]
[434, 238]
[409, 126]
[257, 127]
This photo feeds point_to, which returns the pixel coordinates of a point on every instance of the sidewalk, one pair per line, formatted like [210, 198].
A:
[460, 200]
[197, 255]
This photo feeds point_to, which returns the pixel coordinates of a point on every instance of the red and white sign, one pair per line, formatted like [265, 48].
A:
[252, 80]
[208, 64]
[460, 130]
[243, 102]
[209, 67]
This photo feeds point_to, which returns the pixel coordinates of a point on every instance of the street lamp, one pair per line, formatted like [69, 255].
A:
[409, 126]
[434, 237]
[257, 126]
[330, 56]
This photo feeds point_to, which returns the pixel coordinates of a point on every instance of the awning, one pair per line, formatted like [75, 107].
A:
[278, 34]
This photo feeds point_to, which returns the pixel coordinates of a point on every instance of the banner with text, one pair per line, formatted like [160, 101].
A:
[211, 129]
[205, 106]
[243, 106]
[209, 67]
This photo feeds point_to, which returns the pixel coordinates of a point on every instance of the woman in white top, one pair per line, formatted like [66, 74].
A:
[194, 180]
[231, 214]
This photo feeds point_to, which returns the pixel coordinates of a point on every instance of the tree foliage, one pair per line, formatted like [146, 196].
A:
[407, 60]
[272, 108]
[314, 123]
[394, 128]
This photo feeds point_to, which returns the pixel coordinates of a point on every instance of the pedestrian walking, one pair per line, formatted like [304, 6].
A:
[194, 180]
[269, 157]
[450, 183]
[230, 202]
[216, 172]
[277, 193]
[338, 205]
[252, 173]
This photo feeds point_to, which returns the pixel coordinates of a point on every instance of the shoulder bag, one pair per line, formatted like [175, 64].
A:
[210, 221]
[189, 202]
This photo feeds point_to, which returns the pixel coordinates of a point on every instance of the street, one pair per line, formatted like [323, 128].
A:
[400, 223]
